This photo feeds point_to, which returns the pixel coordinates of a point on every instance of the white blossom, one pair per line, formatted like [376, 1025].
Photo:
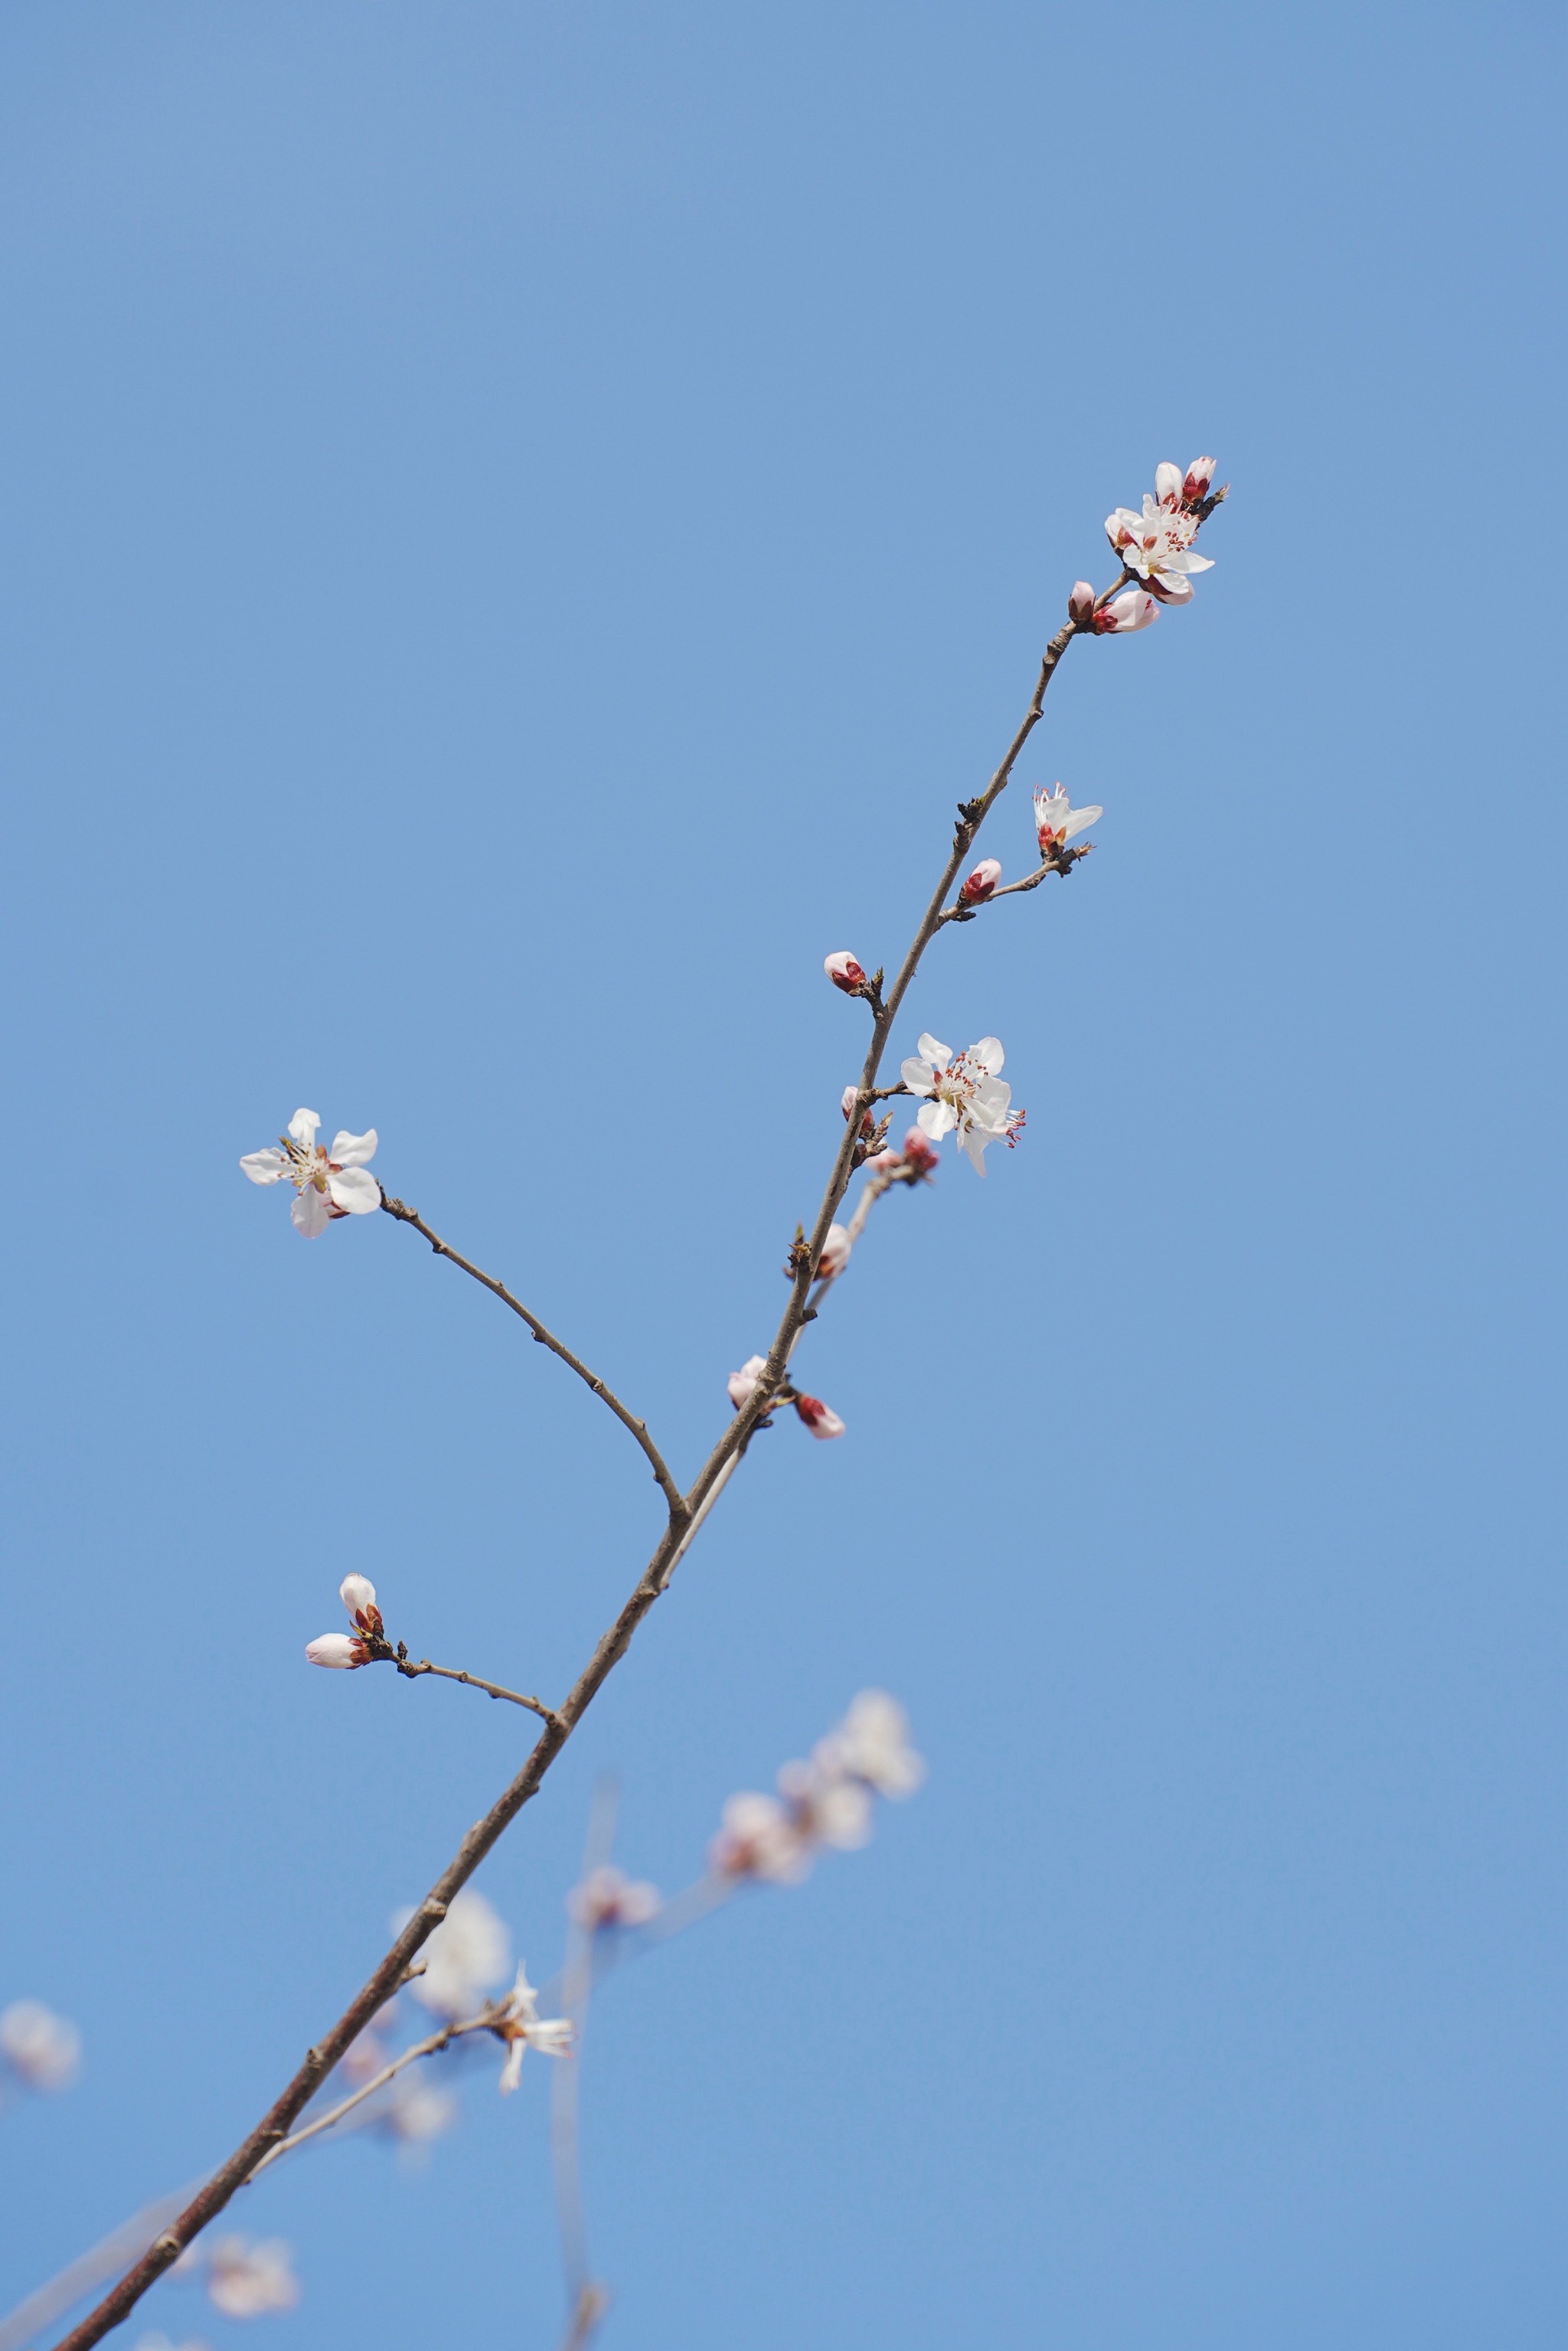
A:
[1056, 819]
[757, 1838]
[872, 1744]
[1157, 544]
[327, 1183]
[964, 1095]
[522, 2027]
[835, 1253]
[742, 1385]
[247, 2280]
[340, 1650]
[469, 1953]
[608, 1897]
[417, 2110]
[825, 1806]
[42, 2050]
[159, 2342]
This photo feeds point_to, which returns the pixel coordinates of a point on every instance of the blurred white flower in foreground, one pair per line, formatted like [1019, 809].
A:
[162, 2343]
[468, 1955]
[835, 1253]
[247, 2280]
[41, 2049]
[416, 2112]
[825, 1801]
[327, 1183]
[741, 1385]
[607, 1898]
[757, 1839]
[872, 1744]
[523, 2028]
[819, 1417]
[964, 1095]
[1056, 819]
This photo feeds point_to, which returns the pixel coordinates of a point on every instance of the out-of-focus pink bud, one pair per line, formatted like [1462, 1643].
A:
[1199, 475]
[819, 1417]
[835, 1254]
[981, 882]
[1081, 603]
[358, 1594]
[1133, 608]
[848, 1104]
[918, 1153]
[741, 1384]
[337, 1649]
[844, 972]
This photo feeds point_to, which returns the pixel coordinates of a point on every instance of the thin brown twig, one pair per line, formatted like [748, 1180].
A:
[960, 912]
[412, 1667]
[547, 1338]
[417, 2049]
[613, 1642]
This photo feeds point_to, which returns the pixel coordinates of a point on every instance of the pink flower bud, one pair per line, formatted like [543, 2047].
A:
[844, 972]
[358, 1594]
[819, 1417]
[981, 882]
[847, 1106]
[1081, 603]
[918, 1153]
[337, 1649]
[742, 1384]
[1131, 610]
[835, 1254]
[1199, 475]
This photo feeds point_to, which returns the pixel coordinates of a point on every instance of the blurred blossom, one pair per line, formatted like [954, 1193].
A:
[416, 2112]
[820, 1418]
[757, 1838]
[608, 1897]
[835, 1254]
[872, 1744]
[523, 2028]
[468, 1955]
[42, 2050]
[247, 2280]
[327, 1183]
[825, 1808]
[162, 2343]
[741, 1384]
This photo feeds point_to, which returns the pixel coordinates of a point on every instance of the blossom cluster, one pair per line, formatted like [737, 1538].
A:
[826, 1801]
[38, 2050]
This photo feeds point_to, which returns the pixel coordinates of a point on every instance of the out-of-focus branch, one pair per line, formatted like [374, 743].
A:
[546, 1338]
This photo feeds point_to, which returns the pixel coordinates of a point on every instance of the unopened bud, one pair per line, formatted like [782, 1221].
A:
[1199, 475]
[337, 1649]
[1081, 603]
[848, 1106]
[1131, 610]
[1168, 483]
[981, 882]
[918, 1153]
[835, 1254]
[358, 1594]
[844, 972]
[740, 1385]
[819, 1417]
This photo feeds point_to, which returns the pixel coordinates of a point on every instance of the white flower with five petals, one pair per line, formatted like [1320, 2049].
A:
[327, 1183]
[964, 1095]
[522, 2027]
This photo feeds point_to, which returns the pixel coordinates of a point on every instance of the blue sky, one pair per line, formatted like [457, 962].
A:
[519, 523]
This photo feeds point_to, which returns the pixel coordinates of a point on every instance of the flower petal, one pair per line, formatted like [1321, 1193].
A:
[936, 1054]
[987, 1055]
[264, 1166]
[934, 1118]
[1081, 817]
[918, 1076]
[352, 1150]
[310, 1212]
[1168, 479]
[354, 1191]
[302, 1127]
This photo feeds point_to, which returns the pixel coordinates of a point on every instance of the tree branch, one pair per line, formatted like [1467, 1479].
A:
[547, 1338]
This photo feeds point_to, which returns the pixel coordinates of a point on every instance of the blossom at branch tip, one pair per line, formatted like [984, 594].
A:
[741, 1384]
[248, 2280]
[1133, 608]
[1081, 603]
[825, 1807]
[964, 1095]
[872, 1744]
[1056, 819]
[327, 1183]
[41, 2049]
[819, 1417]
[1157, 544]
[358, 1594]
[844, 972]
[521, 2027]
[757, 1839]
[469, 1953]
[607, 1898]
[338, 1650]
[981, 882]
[835, 1254]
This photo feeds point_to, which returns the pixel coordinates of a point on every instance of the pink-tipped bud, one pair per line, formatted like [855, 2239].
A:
[844, 972]
[1168, 483]
[1131, 610]
[981, 882]
[358, 1594]
[835, 1254]
[740, 1385]
[1199, 475]
[848, 1106]
[337, 1649]
[919, 1154]
[819, 1417]
[1081, 603]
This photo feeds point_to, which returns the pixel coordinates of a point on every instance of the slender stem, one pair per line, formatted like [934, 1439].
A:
[408, 2056]
[667, 1486]
[1062, 864]
[577, 1991]
[412, 1668]
[592, 2304]
[614, 1643]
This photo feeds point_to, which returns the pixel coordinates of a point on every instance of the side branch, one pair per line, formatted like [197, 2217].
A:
[383, 1653]
[667, 1486]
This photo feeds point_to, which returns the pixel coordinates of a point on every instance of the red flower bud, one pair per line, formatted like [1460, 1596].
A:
[844, 972]
[981, 882]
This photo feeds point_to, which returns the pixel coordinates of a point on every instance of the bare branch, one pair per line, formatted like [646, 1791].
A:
[383, 1654]
[547, 1338]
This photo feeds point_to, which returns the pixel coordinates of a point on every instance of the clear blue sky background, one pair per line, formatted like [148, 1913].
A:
[519, 523]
